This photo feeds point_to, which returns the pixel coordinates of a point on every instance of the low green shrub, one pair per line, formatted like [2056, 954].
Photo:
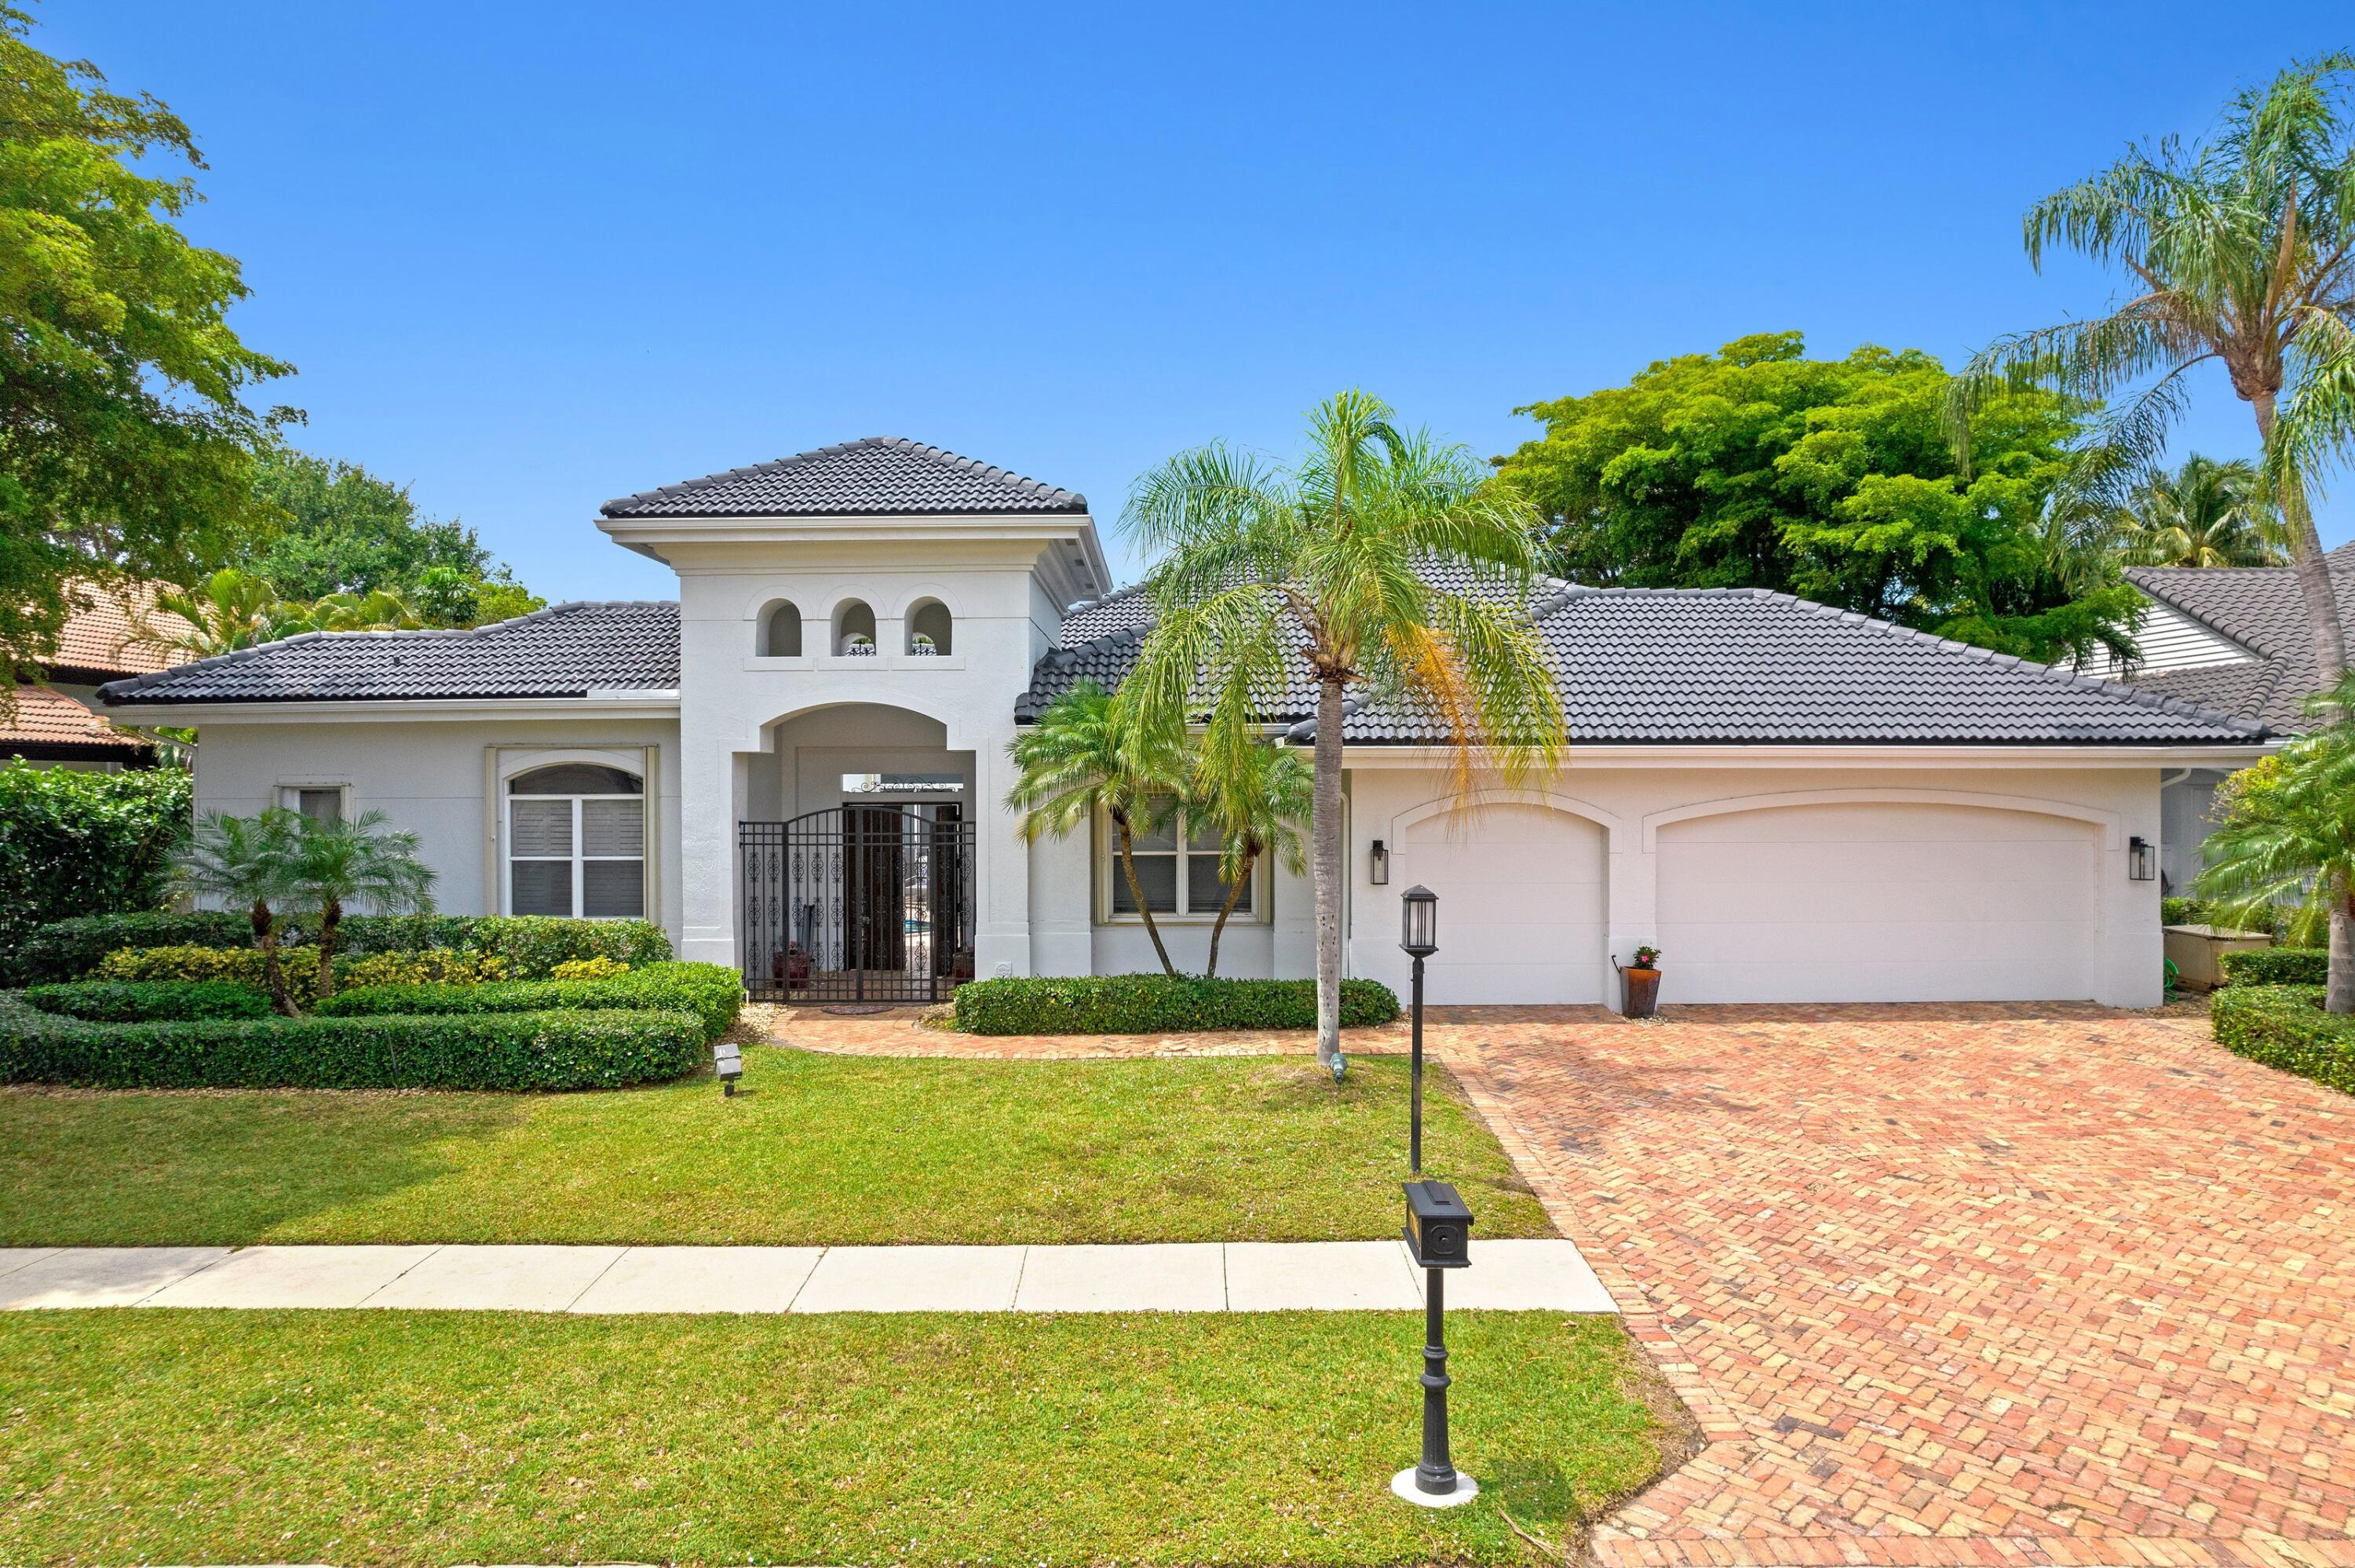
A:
[1154, 1004]
[186, 965]
[712, 992]
[433, 965]
[2271, 920]
[530, 945]
[2284, 1026]
[2277, 966]
[589, 969]
[506, 1051]
[139, 1002]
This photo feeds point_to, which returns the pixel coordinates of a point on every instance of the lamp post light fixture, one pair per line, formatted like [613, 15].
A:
[1419, 935]
[1439, 1237]
[728, 1061]
[2142, 859]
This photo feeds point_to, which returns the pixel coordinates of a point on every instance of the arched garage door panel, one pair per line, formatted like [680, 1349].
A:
[1865, 902]
[1521, 892]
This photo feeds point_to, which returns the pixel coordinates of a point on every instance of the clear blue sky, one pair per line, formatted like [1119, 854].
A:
[531, 257]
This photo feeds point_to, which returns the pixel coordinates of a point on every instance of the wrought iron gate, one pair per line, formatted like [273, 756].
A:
[859, 904]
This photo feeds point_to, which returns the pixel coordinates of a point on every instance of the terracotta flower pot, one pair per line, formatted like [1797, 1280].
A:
[1643, 991]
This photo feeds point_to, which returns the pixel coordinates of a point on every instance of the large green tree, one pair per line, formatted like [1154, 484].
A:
[2240, 251]
[1833, 479]
[126, 447]
[347, 531]
[1329, 563]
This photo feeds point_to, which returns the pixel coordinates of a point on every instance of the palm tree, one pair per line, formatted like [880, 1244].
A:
[233, 610]
[2241, 251]
[2204, 513]
[1253, 798]
[1328, 564]
[244, 861]
[2288, 834]
[1082, 757]
[332, 864]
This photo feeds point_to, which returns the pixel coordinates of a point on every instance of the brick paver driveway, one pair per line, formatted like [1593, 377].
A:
[1956, 1285]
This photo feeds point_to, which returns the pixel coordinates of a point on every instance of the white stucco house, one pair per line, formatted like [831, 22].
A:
[800, 768]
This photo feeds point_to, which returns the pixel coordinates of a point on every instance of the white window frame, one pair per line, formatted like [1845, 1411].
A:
[579, 858]
[1109, 877]
[290, 794]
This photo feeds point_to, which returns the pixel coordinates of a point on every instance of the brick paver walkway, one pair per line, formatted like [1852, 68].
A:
[1955, 1286]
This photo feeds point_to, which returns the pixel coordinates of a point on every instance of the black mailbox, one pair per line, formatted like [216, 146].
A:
[1438, 1226]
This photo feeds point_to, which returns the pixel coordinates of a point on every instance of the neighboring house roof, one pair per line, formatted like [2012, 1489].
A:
[1721, 666]
[2260, 609]
[101, 640]
[881, 476]
[564, 651]
[49, 726]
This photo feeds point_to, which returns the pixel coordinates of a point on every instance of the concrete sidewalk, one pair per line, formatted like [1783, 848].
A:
[1204, 1276]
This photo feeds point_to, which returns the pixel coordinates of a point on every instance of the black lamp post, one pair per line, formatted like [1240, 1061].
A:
[1419, 935]
[1439, 1236]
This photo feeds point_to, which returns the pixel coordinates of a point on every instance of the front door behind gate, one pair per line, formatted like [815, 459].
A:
[858, 902]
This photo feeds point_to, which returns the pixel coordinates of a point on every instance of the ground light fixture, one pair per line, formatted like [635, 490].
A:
[728, 1061]
[1439, 1237]
[1419, 935]
[2142, 859]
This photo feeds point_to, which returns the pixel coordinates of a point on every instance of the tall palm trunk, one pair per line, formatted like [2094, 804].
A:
[1219, 927]
[1136, 892]
[2305, 553]
[1325, 827]
[331, 916]
[273, 974]
[2338, 989]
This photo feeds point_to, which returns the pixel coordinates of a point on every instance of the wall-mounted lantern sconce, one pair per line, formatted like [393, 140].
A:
[2142, 859]
[1378, 864]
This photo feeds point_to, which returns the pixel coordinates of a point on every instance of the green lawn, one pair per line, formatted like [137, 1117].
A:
[818, 1149]
[397, 1438]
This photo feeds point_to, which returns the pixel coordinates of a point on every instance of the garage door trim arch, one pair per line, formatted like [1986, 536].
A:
[2112, 825]
[1615, 827]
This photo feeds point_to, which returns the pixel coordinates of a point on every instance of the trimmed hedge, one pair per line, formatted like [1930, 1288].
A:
[2284, 1026]
[73, 842]
[2277, 966]
[532, 945]
[712, 992]
[140, 1001]
[509, 1051]
[1154, 1004]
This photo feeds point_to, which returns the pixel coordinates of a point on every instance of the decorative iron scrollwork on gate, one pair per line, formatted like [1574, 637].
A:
[858, 902]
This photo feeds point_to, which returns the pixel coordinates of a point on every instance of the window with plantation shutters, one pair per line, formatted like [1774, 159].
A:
[576, 843]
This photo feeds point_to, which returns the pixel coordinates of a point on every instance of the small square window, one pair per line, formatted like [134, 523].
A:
[321, 804]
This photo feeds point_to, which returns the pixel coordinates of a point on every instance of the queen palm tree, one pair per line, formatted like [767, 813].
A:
[2240, 251]
[245, 862]
[1330, 563]
[1254, 797]
[2203, 514]
[232, 609]
[332, 864]
[1082, 757]
[2288, 835]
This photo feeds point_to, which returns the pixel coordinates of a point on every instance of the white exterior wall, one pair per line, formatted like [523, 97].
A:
[438, 778]
[952, 710]
[1635, 809]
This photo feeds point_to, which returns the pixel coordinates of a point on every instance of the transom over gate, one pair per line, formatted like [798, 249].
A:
[858, 902]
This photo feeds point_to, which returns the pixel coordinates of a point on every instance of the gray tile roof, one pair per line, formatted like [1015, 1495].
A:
[2261, 608]
[1724, 665]
[878, 476]
[564, 651]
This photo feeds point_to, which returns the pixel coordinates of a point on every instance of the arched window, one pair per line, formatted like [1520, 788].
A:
[854, 630]
[576, 843]
[928, 628]
[781, 630]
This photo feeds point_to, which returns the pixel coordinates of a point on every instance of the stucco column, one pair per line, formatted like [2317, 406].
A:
[1001, 861]
[711, 800]
[1632, 886]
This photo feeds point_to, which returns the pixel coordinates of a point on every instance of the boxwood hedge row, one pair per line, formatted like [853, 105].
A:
[2284, 1026]
[711, 992]
[510, 1050]
[1156, 1004]
[145, 1001]
[2277, 966]
[531, 944]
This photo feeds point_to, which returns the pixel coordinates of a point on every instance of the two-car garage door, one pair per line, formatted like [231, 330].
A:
[1856, 900]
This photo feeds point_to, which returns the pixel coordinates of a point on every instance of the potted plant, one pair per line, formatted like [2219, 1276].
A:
[792, 969]
[921, 646]
[1641, 981]
[858, 645]
[960, 966]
